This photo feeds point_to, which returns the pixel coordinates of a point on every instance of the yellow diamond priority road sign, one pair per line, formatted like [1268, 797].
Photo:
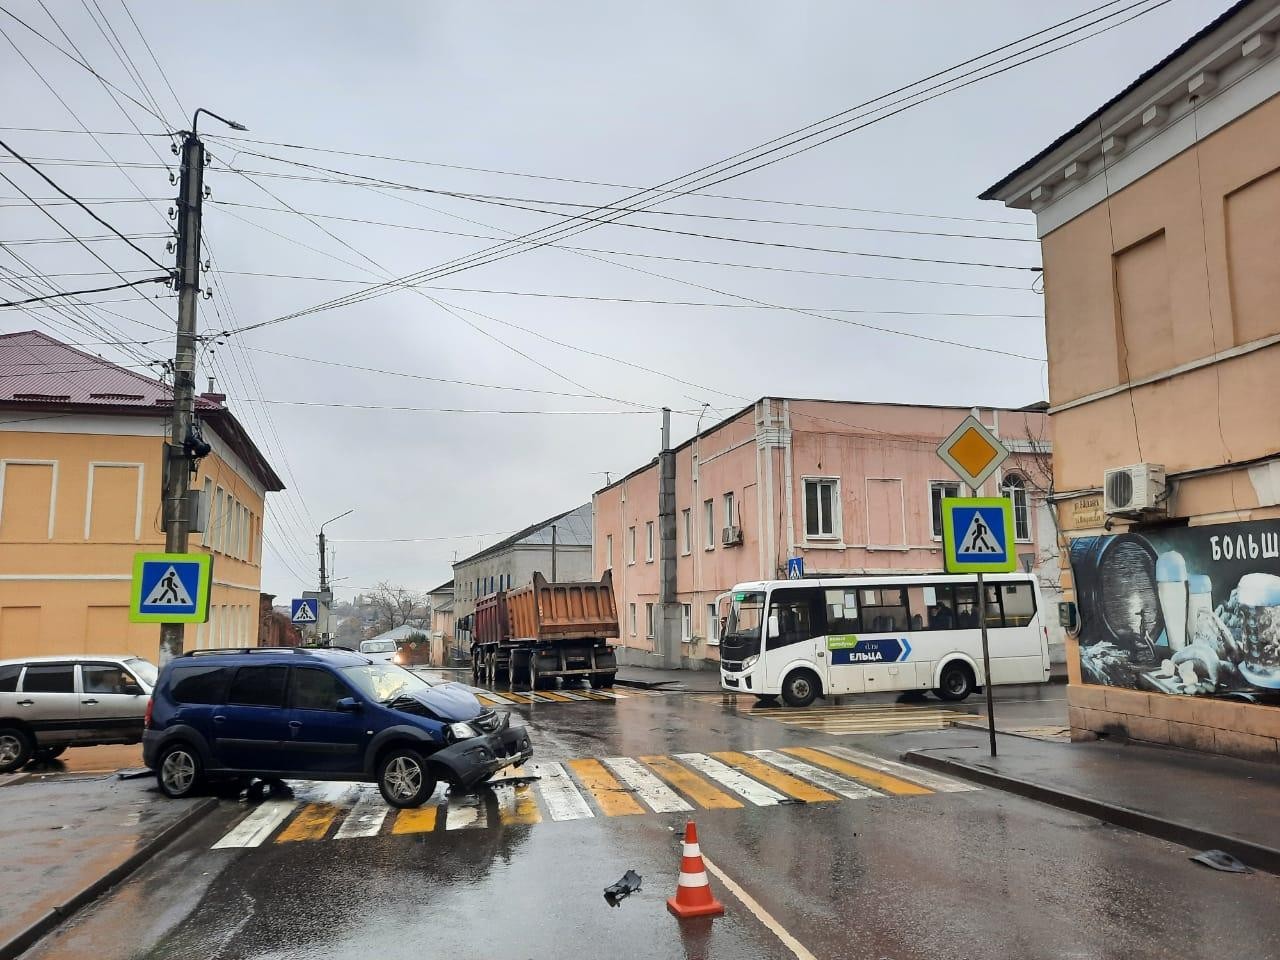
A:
[972, 452]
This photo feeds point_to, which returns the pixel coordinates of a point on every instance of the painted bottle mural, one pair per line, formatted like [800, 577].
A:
[1182, 610]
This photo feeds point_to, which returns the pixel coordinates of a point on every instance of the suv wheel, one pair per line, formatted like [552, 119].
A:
[403, 778]
[178, 772]
[15, 748]
[48, 754]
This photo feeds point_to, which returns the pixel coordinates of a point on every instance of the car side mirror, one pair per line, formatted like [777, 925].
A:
[349, 705]
[774, 632]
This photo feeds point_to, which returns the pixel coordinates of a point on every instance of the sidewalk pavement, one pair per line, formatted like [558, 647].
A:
[1194, 799]
[67, 841]
[683, 681]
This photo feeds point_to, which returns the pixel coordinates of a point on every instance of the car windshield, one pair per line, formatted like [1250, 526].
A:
[144, 670]
[384, 681]
[378, 646]
[745, 615]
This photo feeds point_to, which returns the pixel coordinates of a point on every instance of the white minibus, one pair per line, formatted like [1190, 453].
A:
[803, 639]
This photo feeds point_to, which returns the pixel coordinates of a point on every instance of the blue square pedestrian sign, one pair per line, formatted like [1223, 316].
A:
[977, 535]
[171, 588]
[795, 568]
[305, 611]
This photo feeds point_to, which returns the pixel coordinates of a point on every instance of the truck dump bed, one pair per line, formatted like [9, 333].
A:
[562, 611]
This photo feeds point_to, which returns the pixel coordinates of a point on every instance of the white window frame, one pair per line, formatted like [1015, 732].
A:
[937, 536]
[208, 519]
[728, 505]
[53, 486]
[709, 520]
[837, 521]
[686, 622]
[713, 625]
[1021, 485]
[633, 619]
[686, 524]
[631, 546]
[648, 541]
[608, 552]
[649, 620]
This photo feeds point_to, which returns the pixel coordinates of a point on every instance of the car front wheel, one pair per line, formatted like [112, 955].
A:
[403, 778]
[179, 772]
[15, 748]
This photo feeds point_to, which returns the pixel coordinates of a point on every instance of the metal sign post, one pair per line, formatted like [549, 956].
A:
[983, 545]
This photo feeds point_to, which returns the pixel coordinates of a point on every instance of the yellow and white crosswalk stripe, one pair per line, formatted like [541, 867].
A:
[504, 698]
[588, 788]
[856, 718]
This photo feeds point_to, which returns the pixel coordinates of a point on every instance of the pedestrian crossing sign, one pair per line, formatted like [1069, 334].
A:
[305, 611]
[977, 535]
[171, 588]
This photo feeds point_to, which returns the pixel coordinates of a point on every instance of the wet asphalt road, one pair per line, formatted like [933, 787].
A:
[975, 874]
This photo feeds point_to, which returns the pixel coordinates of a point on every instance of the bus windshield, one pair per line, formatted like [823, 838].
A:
[742, 629]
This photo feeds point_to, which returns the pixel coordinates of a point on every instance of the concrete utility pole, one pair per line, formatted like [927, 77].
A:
[326, 598]
[553, 553]
[185, 446]
[670, 623]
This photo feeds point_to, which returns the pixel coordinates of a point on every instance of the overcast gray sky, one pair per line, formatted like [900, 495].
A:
[622, 94]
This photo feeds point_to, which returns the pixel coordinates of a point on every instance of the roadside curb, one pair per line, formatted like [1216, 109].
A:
[1255, 855]
[19, 942]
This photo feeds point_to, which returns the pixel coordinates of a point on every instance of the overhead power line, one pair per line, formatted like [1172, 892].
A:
[76, 293]
[45, 177]
[741, 163]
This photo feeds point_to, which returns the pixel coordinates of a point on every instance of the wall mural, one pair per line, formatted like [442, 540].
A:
[1182, 610]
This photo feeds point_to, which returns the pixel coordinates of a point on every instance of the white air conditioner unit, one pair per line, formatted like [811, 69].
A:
[1134, 491]
[730, 536]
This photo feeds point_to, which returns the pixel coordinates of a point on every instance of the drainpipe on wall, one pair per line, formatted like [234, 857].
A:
[786, 474]
[670, 619]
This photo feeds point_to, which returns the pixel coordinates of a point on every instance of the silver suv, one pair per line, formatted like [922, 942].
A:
[50, 703]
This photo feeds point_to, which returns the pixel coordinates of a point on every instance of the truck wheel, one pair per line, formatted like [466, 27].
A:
[403, 778]
[476, 666]
[800, 688]
[15, 748]
[957, 682]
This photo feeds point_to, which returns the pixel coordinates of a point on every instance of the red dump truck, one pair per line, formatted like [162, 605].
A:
[532, 634]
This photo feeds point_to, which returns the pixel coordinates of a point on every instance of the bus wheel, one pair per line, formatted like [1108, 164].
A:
[957, 682]
[800, 688]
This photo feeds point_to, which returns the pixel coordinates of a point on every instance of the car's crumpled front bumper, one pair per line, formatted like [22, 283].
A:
[471, 762]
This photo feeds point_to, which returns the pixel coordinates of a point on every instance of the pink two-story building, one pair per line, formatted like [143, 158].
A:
[848, 487]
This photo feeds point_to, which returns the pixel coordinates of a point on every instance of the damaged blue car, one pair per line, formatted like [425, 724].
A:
[277, 713]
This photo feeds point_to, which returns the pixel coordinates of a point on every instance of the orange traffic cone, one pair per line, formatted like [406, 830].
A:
[693, 892]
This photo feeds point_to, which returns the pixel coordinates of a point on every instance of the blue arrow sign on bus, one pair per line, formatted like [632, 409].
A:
[871, 650]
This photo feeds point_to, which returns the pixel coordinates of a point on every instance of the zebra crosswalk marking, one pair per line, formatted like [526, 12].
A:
[695, 788]
[416, 819]
[849, 789]
[609, 794]
[516, 805]
[778, 779]
[365, 818]
[463, 812]
[312, 822]
[258, 825]
[740, 784]
[586, 788]
[926, 778]
[562, 798]
[882, 781]
[659, 797]
[555, 697]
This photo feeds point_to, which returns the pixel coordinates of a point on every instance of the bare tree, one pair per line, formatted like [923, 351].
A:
[396, 606]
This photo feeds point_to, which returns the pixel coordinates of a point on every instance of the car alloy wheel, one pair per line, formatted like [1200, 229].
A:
[403, 777]
[178, 771]
[10, 749]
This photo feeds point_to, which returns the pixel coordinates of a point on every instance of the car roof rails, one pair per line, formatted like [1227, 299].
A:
[212, 651]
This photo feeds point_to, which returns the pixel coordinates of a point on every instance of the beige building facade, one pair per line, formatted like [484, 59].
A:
[1159, 217]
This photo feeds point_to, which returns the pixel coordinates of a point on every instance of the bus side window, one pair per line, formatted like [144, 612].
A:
[933, 607]
[800, 615]
[1019, 604]
[884, 609]
[966, 606]
[842, 611]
